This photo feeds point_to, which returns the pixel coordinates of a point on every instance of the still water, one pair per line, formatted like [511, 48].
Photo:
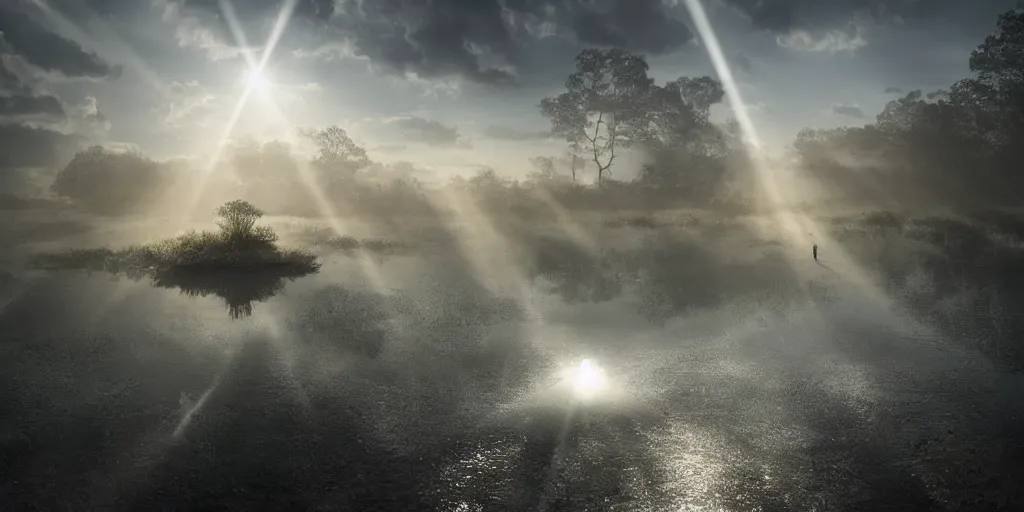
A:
[421, 389]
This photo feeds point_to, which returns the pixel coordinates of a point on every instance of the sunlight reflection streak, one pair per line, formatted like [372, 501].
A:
[186, 419]
[287, 353]
[795, 225]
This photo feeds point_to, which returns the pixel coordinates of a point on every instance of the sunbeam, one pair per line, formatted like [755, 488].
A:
[125, 50]
[229, 128]
[256, 81]
[258, 256]
[794, 225]
[493, 258]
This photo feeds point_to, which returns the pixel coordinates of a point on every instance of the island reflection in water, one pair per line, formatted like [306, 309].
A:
[239, 288]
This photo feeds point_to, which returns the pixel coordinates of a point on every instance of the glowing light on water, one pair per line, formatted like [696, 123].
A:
[588, 379]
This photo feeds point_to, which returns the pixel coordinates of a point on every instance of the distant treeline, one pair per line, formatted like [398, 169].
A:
[960, 146]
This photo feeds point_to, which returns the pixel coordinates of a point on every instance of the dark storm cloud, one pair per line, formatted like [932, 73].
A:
[848, 110]
[254, 16]
[893, 90]
[475, 38]
[42, 107]
[786, 15]
[24, 36]
[427, 131]
[9, 80]
[501, 132]
[28, 155]
[23, 146]
[304, 9]
[639, 25]
[776, 15]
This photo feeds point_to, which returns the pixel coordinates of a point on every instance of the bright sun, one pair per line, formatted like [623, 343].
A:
[256, 80]
[588, 379]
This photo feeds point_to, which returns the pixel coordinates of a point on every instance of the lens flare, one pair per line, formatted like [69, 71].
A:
[257, 80]
[588, 379]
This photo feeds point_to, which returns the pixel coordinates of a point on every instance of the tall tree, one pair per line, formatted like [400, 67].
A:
[602, 108]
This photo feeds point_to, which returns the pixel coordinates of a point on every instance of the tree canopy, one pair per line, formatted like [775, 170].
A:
[611, 104]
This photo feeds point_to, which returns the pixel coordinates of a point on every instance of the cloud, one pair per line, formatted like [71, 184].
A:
[847, 110]
[192, 34]
[784, 16]
[188, 104]
[29, 156]
[10, 82]
[31, 108]
[893, 90]
[25, 147]
[427, 131]
[202, 24]
[501, 132]
[310, 87]
[742, 62]
[831, 41]
[86, 121]
[303, 9]
[23, 36]
[759, 107]
[482, 40]
[846, 25]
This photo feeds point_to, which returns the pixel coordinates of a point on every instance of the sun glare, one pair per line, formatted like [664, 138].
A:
[256, 80]
[588, 379]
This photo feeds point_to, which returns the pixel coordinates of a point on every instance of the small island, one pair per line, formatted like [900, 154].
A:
[241, 263]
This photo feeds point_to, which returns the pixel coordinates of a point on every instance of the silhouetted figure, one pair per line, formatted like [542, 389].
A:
[814, 251]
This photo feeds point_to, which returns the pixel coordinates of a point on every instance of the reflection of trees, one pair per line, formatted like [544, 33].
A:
[573, 273]
[238, 289]
[669, 275]
[963, 277]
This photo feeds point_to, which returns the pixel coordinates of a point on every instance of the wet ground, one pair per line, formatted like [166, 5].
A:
[658, 389]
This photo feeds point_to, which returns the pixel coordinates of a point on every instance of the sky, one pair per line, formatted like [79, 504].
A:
[448, 84]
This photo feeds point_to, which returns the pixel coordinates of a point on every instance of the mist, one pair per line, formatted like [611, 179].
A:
[661, 313]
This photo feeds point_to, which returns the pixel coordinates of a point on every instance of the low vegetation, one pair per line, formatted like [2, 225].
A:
[241, 263]
[239, 245]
